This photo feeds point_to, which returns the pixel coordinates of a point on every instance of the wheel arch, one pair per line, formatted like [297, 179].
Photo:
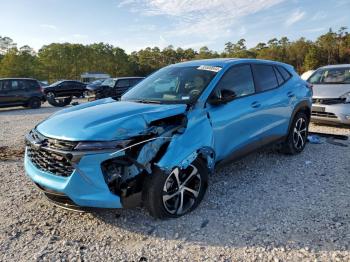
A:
[303, 106]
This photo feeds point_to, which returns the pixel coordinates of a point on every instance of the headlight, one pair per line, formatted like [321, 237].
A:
[346, 96]
[100, 145]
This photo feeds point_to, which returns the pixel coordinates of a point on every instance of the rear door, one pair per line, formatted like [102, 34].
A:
[274, 110]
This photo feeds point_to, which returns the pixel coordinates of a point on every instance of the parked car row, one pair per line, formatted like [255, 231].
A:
[31, 93]
[331, 98]
[112, 87]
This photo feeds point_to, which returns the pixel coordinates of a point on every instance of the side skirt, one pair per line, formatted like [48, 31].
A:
[242, 152]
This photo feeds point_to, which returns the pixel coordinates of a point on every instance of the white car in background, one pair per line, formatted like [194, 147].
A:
[305, 76]
[331, 94]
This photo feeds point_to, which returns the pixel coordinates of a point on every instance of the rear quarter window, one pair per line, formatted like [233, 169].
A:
[279, 76]
[265, 77]
[285, 73]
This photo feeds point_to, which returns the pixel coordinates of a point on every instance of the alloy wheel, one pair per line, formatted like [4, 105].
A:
[181, 190]
[299, 133]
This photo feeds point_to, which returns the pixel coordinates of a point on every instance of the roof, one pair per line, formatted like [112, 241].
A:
[336, 66]
[128, 77]
[95, 73]
[222, 62]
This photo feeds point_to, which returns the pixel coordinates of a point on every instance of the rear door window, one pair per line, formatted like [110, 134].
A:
[134, 81]
[265, 77]
[31, 85]
[14, 85]
[123, 83]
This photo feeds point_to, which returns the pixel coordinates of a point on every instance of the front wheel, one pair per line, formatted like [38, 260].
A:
[297, 135]
[175, 194]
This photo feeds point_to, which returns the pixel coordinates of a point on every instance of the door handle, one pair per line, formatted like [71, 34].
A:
[290, 94]
[255, 104]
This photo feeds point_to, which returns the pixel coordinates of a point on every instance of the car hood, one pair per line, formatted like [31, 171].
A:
[105, 119]
[330, 91]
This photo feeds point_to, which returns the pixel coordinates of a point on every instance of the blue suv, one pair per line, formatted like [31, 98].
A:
[158, 145]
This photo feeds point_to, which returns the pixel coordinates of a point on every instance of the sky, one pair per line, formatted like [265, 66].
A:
[136, 24]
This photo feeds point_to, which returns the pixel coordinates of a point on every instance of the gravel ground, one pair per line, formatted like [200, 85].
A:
[266, 206]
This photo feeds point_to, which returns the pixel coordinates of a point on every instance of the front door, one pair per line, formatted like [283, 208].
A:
[236, 123]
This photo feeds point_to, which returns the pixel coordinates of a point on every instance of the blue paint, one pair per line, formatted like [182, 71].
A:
[212, 131]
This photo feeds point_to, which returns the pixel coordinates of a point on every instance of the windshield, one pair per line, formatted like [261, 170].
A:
[331, 76]
[109, 82]
[96, 82]
[173, 85]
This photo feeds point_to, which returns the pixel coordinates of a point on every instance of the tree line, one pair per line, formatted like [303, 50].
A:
[68, 61]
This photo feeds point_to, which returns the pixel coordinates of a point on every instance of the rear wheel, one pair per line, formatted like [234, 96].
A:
[34, 103]
[297, 136]
[175, 194]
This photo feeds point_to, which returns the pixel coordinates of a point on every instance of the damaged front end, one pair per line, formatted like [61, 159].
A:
[125, 172]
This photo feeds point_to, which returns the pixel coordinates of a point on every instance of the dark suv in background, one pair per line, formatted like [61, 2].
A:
[62, 92]
[21, 92]
[112, 87]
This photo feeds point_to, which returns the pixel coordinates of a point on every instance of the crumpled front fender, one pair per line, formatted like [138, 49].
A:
[196, 139]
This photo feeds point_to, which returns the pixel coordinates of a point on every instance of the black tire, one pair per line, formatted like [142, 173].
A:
[154, 191]
[59, 102]
[298, 131]
[34, 103]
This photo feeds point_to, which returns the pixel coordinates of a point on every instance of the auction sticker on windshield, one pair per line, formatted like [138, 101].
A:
[209, 68]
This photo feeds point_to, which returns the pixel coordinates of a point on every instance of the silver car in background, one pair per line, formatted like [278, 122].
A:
[331, 94]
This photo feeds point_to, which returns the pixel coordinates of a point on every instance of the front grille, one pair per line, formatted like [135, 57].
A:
[60, 144]
[47, 160]
[323, 114]
[328, 101]
[51, 142]
[50, 162]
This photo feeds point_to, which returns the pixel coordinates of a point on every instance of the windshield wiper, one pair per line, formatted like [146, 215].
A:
[144, 101]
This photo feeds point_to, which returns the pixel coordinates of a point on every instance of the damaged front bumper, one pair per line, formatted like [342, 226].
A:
[104, 178]
[85, 186]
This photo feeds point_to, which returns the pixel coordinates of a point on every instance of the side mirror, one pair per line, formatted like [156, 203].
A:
[222, 97]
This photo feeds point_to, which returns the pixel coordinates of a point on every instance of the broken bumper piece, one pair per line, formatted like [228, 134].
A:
[85, 186]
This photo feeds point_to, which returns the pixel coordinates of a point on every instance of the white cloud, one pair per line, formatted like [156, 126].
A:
[211, 19]
[296, 16]
[315, 30]
[319, 16]
[47, 26]
[80, 36]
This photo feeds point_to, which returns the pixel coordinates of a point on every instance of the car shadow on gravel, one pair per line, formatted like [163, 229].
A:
[264, 200]
[18, 111]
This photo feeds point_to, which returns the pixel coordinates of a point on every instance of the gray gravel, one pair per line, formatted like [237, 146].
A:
[266, 206]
